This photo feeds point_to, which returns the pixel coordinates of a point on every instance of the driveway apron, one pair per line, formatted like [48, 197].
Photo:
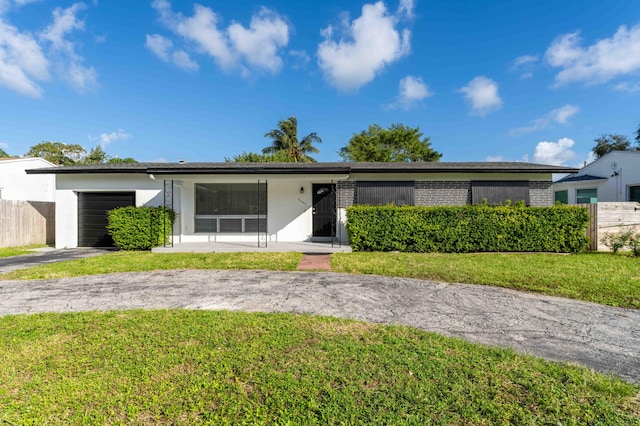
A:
[604, 338]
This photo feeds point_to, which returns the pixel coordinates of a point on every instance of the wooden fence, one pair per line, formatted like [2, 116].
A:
[611, 218]
[24, 223]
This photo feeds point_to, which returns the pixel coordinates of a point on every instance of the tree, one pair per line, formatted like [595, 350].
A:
[96, 155]
[252, 157]
[4, 154]
[608, 142]
[638, 135]
[396, 144]
[285, 138]
[58, 152]
[116, 160]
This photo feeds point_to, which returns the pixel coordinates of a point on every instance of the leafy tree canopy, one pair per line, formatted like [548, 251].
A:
[4, 154]
[73, 154]
[58, 152]
[396, 144]
[608, 142]
[252, 157]
[285, 138]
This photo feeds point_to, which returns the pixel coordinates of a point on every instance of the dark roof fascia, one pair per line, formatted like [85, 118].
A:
[248, 171]
[305, 168]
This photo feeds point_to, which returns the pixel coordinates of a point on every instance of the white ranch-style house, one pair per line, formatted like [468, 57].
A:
[278, 202]
[614, 177]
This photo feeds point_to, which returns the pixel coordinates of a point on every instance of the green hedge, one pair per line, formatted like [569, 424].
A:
[468, 229]
[140, 228]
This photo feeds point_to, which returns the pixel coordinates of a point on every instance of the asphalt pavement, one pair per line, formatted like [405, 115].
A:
[603, 338]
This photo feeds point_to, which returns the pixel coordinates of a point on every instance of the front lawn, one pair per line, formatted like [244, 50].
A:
[595, 277]
[17, 251]
[193, 367]
[136, 261]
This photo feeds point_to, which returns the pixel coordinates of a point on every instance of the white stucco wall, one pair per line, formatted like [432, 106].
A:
[16, 184]
[621, 170]
[289, 212]
[148, 193]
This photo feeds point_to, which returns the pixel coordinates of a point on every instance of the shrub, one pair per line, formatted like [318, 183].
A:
[629, 239]
[140, 228]
[467, 229]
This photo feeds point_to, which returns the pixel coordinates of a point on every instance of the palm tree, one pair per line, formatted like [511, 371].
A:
[285, 138]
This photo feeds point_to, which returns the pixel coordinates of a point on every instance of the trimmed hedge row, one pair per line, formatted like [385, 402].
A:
[468, 229]
[140, 228]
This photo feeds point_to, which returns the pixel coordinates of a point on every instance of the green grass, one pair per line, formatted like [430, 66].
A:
[595, 277]
[194, 367]
[17, 251]
[131, 261]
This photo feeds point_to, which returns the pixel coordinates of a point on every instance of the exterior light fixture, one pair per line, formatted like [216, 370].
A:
[302, 189]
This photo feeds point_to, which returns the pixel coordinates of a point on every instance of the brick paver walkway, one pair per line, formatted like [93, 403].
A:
[315, 262]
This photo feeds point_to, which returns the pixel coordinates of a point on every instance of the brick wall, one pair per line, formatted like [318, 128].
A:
[346, 193]
[540, 193]
[445, 193]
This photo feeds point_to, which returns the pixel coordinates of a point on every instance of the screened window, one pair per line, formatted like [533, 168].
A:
[562, 197]
[499, 192]
[230, 207]
[587, 196]
[634, 193]
[381, 193]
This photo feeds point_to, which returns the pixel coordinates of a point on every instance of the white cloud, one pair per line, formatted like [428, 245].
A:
[162, 47]
[254, 48]
[406, 8]
[412, 91]
[107, 138]
[559, 115]
[524, 60]
[495, 159]
[260, 43]
[556, 153]
[22, 62]
[68, 62]
[482, 92]
[601, 62]
[627, 87]
[524, 64]
[183, 60]
[371, 42]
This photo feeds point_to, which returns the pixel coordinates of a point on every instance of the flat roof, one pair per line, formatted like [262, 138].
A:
[307, 168]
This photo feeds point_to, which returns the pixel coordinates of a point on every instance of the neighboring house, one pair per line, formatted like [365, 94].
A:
[15, 184]
[613, 177]
[284, 202]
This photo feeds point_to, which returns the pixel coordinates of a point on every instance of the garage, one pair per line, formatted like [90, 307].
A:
[92, 216]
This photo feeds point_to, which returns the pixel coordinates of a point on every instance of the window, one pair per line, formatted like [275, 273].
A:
[381, 193]
[634, 193]
[499, 192]
[587, 196]
[562, 197]
[230, 207]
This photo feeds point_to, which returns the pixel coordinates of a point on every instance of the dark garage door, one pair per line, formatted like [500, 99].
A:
[92, 216]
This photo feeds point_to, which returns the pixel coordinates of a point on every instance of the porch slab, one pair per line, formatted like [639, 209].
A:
[226, 247]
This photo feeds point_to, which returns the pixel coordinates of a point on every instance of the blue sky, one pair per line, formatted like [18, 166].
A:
[165, 80]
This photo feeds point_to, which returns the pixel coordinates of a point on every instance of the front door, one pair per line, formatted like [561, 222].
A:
[324, 209]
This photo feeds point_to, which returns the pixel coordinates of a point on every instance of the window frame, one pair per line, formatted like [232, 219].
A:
[578, 196]
[230, 216]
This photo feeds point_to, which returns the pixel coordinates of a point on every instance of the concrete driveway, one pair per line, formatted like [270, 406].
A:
[48, 255]
[604, 338]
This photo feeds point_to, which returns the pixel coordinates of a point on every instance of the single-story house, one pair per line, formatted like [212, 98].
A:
[279, 202]
[15, 184]
[611, 178]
